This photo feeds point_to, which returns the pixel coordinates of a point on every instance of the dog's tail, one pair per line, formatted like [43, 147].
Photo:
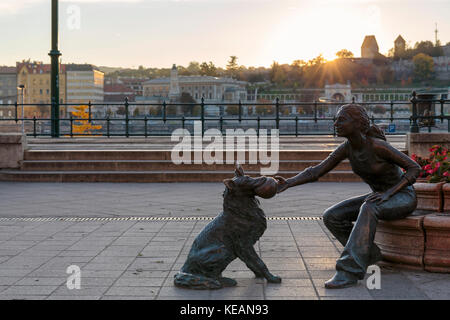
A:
[195, 281]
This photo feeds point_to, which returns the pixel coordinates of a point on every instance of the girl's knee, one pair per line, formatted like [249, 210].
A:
[370, 208]
[329, 217]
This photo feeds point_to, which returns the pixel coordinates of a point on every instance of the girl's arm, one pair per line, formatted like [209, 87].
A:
[314, 173]
[412, 169]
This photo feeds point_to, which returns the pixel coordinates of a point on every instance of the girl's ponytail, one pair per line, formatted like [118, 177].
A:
[376, 132]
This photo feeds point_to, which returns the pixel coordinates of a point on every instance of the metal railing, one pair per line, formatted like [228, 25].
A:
[317, 118]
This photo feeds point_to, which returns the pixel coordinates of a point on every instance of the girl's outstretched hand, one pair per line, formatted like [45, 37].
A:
[282, 184]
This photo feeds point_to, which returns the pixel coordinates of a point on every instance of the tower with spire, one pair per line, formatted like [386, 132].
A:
[174, 90]
[399, 46]
[436, 36]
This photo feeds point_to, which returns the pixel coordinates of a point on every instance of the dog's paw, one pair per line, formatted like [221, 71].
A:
[274, 279]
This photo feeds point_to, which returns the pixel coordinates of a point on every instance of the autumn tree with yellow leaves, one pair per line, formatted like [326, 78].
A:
[82, 125]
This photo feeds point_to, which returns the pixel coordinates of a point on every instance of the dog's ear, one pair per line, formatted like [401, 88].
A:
[239, 171]
[229, 183]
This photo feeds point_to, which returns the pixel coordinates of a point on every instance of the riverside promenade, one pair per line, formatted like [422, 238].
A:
[129, 239]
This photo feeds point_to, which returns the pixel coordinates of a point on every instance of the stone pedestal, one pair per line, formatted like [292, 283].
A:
[402, 241]
[12, 147]
[437, 245]
[417, 242]
[420, 143]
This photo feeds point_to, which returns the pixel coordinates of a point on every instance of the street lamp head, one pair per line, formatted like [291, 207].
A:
[21, 86]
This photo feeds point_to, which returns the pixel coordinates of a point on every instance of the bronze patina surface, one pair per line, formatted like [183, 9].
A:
[354, 221]
[232, 234]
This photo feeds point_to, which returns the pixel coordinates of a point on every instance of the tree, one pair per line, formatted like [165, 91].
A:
[423, 67]
[82, 125]
[193, 68]
[265, 109]
[155, 111]
[233, 110]
[344, 53]
[317, 61]
[427, 47]
[299, 63]
[278, 74]
[121, 111]
[232, 67]
[193, 109]
[379, 109]
[208, 69]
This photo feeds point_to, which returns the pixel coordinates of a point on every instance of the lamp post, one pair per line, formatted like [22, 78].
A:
[55, 54]
[22, 88]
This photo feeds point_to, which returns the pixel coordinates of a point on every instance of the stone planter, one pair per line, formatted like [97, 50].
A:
[446, 196]
[429, 196]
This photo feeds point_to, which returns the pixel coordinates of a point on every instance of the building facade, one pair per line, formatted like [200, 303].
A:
[35, 76]
[211, 89]
[8, 85]
[136, 84]
[84, 83]
[8, 91]
[117, 92]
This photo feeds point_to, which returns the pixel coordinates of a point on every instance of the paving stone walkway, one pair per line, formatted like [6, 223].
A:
[136, 259]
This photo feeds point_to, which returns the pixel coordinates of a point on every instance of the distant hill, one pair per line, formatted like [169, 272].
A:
[108, 70]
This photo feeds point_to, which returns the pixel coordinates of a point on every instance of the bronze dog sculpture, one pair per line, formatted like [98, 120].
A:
[232, 234]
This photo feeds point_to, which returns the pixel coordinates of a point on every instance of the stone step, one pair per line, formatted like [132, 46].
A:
[149, 176]
[156, 165]
[153, 155]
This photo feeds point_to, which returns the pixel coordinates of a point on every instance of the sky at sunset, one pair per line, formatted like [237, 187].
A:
[158, 33]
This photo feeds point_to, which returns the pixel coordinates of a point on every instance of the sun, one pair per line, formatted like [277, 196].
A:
[309, 31]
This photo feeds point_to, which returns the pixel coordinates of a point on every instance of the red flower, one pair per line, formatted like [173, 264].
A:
[447, 174]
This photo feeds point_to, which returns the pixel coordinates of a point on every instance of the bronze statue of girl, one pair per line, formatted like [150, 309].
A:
[393, 197]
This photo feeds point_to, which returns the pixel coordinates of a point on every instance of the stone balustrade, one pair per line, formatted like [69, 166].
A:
[12, 147]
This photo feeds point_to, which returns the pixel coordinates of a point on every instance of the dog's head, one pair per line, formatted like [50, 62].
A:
[243, 185]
